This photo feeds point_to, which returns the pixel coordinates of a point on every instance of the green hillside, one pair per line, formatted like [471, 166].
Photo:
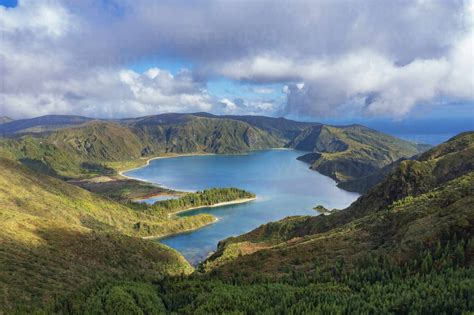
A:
[413, 207]
[364, 183]
[404, 247]
[352, 152]
[86, 150]
[75, 151]
[189, 133]
[56, 237]
[77, 147]
[283, 128]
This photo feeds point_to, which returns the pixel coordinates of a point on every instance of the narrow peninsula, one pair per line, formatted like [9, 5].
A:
[167, 210]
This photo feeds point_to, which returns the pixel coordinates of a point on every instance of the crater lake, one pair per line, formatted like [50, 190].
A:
[284, 187]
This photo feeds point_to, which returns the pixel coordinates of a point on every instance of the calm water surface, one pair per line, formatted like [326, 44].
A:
[284, 187]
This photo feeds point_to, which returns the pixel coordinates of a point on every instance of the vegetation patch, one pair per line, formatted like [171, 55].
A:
[122, 189]
[205, 198]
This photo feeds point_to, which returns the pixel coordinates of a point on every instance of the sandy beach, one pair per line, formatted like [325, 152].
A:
[220, 204]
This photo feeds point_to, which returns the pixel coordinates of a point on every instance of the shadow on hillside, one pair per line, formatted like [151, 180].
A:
[69, 259]
[40, 167]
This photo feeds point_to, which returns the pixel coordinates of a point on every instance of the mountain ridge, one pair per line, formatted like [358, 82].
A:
[61, 149]
[432, 195]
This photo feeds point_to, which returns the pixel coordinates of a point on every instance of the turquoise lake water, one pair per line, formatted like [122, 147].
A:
[284, 186]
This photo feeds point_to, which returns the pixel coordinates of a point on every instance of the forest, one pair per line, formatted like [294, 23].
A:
[207, 197]
[438, 281]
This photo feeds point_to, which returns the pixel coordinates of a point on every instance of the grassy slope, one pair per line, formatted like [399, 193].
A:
[352, 154]
[408, 250]
[282, 128]
[84, 150]
[122, 189]
[31, 193]
[64, 152]
[56, 237]
[400, 232]
[347, 153]
[200, 134]
[417, 205]
[364, 183]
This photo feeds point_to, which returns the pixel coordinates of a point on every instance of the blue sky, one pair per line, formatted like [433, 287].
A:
[9, 3]
[219, 87]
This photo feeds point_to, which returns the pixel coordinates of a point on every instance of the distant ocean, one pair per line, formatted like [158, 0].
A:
[426, 131]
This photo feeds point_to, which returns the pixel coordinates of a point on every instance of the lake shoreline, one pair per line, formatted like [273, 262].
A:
[284, 187]
[220, 204]
[147, 163]
[181, 192]
[159, 237]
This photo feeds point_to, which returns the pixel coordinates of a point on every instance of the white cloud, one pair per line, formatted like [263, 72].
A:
[59, 56]
[387, 88]
[250, 107]
[42, 76]
[229, 107]
[45, 18]
[111, 93]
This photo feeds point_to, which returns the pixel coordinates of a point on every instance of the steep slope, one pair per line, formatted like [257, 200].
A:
[189, 133]
[55, 238]
[285, 129]
[81, 148]
[352, 152]
[435, 167]
[418, 204]
[365, 183]
[84, 150]
[73, 151]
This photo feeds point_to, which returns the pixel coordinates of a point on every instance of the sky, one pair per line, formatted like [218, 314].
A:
[383, 62]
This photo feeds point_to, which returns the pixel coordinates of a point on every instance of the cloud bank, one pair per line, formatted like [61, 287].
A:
[376, 58]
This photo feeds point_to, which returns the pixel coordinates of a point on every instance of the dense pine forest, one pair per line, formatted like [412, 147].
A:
[438, 281]
[208, 197]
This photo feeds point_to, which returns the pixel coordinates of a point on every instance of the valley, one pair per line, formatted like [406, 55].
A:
[70, 216]
[72, 147]
[283, 186]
